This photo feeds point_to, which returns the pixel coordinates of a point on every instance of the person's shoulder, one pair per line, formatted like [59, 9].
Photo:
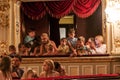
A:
[56, 73]
[42, 74]
[21, 69]
[75, 38]
[103, 45]
[27, 36]
[0, 72]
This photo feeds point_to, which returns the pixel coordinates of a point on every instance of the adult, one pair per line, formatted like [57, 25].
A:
[48, 69]
[17, 72]
[5, 68]
[47, 46]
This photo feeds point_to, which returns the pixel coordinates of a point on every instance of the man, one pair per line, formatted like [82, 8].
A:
[17, 72]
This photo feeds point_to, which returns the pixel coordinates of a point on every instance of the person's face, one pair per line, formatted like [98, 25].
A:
[63, 42]
[45, 67]
[44, 39]
[12, 50]
[80, 43]
[23, 48]
[89, 40]
[30, 76]
[32, 34]
[15, 62]
[97, 40]
[72, 35]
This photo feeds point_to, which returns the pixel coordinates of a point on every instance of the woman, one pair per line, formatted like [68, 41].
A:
[59, 69]
[48, 69]
[30, 74]
[5, 68]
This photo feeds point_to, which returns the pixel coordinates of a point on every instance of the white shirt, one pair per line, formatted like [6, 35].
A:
[101, 49]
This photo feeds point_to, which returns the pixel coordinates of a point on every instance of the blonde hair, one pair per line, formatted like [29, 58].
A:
[100, 37]
[50, 63]
[26, 73]
[81, 38]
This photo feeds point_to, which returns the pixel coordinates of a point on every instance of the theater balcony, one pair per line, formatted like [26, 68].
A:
[80, 65]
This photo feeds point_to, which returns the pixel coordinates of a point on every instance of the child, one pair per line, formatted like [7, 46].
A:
[12, 50]
[31, 40]
[63, 48]
[22, 49]
[90, 44]
[72, 41]
[100, 47]
[30, 37]
[80, 46]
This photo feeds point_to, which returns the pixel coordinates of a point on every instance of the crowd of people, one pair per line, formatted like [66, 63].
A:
[10, 69]
[42, 46]
[72, 46]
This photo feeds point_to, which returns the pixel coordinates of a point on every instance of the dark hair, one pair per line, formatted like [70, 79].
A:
[57, 65]
[5, 65]
[92, 38]
[20, 45]
[12, 47]
[31, 30]
[63, 39]
[18, 56]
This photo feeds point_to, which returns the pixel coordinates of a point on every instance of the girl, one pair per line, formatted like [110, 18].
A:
[5, 69]
[48, 69]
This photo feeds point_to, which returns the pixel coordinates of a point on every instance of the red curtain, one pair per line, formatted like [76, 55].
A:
[34, 10]
[59, 8]
[82, 8]
[85, 8]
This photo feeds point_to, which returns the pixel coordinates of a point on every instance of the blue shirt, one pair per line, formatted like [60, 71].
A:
[28, 39]
[72, 41]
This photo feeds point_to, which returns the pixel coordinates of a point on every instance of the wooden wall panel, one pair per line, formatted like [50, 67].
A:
[87, 69]
[73, 70]
[78, 65]
[116, 68]
[101, 69]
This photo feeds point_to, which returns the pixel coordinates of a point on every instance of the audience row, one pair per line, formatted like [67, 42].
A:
[50, 69]
[71, 45]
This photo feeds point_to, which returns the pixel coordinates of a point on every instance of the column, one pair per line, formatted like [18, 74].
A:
[17, 23]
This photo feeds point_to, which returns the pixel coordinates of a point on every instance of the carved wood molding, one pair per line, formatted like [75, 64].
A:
[36, 0]
[117, 42]
[4, 14]
[70, 59]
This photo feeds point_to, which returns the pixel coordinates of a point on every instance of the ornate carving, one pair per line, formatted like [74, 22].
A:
[3, 47]
[4, 20]
[117, 42]
[4, 0]
[4, 6]
[4, 14]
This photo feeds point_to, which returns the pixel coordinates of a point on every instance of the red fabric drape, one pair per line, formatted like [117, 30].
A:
[58, 9]
[85, 8]
[34, 10]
